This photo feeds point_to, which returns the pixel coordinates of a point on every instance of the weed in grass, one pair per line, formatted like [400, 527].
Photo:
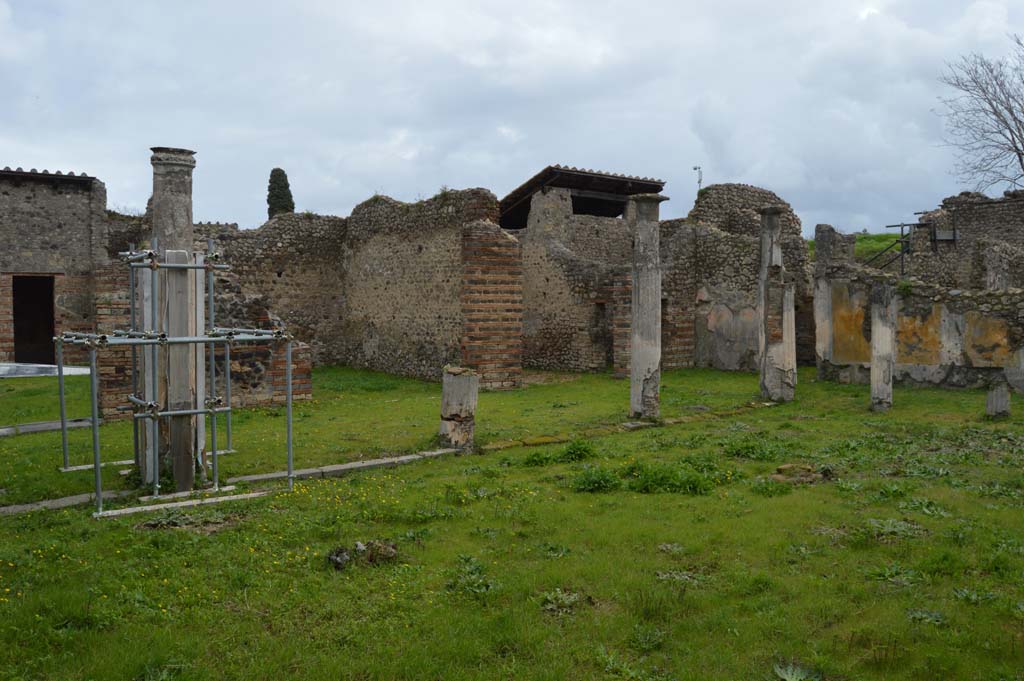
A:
[791, 671]
[549, 550]
[684, 577]
[972, 596]
[766, 487]
[595, 479]
[848, 486]
[649, 478]
[470, 578]
[755, 449]
[655, 603]
[618, 668]
[559, 602]
[577, 450]
[800, 552]
[892, 490]
[885, 531]
[925, 506]
[485, 532]
[536, 459]
[672, 549]
[647, 638]
[895, 574]
[933, 617]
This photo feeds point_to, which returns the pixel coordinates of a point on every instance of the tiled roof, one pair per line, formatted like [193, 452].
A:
[577, 178]
[33, 174]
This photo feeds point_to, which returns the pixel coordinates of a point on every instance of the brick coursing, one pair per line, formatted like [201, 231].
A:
[492, 305]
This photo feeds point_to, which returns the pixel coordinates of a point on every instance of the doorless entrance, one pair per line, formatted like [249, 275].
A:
[33, 319]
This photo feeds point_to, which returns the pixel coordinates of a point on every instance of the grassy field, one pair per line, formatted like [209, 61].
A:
[867, 245]
[665, 553]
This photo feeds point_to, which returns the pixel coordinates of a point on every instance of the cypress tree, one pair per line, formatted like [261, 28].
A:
[279, 194]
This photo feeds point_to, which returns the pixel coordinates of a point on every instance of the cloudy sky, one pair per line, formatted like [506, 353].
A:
[833, 104]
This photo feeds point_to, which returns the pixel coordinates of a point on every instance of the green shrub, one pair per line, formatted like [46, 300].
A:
[767, 487]
[577, 450]
[537, 459]
[595, 479]
[755, 449]
[652, 478]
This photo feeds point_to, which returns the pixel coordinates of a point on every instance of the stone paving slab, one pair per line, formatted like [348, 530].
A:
[43, 426]
[113, 513]
[63, 502]
[337, 470]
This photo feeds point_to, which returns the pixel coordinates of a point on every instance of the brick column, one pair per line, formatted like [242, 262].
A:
[492, 305]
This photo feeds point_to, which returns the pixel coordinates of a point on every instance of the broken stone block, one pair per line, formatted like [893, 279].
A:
[459, 388]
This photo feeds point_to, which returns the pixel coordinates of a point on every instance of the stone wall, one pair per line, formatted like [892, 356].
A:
[983, 227]
[944, 336]
[568, 264]
[383, 288]
[59, 226]
[710, 262]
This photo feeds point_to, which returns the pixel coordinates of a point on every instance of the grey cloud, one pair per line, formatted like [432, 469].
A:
[829, 104]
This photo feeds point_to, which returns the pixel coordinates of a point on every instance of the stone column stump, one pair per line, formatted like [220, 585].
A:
[883, 346]
[459, 388]
[997, 402]
[645, 338]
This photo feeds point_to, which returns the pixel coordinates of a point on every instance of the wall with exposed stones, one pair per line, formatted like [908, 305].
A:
[945, 336]
[572, 270]
[383, 288]
[568, 265]
[986, 232]
[58, 225]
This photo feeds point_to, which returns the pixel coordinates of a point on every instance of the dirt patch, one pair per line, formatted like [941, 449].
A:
[800, 474]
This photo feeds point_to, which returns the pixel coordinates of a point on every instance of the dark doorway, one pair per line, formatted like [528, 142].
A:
[33, 320]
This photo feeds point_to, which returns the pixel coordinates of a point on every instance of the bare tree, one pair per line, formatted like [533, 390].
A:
[985, 118]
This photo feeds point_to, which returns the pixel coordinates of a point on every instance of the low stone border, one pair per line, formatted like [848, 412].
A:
[341, 469]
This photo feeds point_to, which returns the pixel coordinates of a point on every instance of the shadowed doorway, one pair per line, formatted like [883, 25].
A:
[33, 320]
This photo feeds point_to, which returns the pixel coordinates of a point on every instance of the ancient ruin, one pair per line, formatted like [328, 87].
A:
[558, 275]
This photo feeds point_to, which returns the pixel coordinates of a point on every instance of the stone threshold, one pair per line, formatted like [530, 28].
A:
[338, 470]
[43, 426]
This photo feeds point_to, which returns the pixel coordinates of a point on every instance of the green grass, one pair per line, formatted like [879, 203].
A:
[869, 245]
[908, 564]
[866, 246]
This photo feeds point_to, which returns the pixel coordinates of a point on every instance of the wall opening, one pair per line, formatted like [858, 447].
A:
[589, 204]
[33, 320]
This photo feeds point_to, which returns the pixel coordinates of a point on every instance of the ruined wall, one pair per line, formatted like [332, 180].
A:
[380, 289]
[983, 227]
[944, 336]
[726, 229]
[568, 265]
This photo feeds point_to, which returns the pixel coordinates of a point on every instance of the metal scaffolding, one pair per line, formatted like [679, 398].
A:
[148, 411]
